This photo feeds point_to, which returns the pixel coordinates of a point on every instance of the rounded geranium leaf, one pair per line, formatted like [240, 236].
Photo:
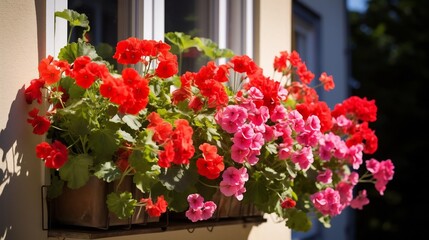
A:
[76, 171]
[121, 204]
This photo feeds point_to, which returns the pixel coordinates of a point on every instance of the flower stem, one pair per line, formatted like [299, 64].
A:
[70, 34]
[207, 185]
[124, 174]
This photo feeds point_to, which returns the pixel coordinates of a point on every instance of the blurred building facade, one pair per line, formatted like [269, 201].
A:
[320, 35]
[258, 28]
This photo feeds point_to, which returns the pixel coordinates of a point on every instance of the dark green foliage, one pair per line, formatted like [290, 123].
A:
[390, 55]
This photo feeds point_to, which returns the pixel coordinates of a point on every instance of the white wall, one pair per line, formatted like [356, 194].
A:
[22, 44]
[273, 28]
[20, 204]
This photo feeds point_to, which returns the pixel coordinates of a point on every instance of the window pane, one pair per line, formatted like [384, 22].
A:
[188, 16]
[192, 17]
[103, 19]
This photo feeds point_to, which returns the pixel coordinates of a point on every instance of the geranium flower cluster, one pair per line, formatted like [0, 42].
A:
[226, 129]
[177, 143]
[199, 209]
[157, 208]
[233, 181]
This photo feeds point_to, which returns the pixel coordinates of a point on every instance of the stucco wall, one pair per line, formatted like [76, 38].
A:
[272, 32]
[20, 204]
[21, 46]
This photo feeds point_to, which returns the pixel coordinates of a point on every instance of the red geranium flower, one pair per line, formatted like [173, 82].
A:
[55, 155]
[155, 210]
[34, 91]
[40, 124]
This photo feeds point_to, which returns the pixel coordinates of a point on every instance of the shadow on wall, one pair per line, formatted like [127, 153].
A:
[19, 173]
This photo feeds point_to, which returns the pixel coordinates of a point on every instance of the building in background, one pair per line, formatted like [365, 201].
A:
[320, 35]
[258, 28]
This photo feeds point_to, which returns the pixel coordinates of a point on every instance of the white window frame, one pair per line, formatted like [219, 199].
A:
[56, 28]
[234, 31]
[239, 34]
[142, 19]
[149, 25]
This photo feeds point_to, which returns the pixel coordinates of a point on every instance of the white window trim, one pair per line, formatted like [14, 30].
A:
[240, 30]
[222, 21]
[56, 28]
[248, 40]
[158, 24]
[150, 24]
[147, 25]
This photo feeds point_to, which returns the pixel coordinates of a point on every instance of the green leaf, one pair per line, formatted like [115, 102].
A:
[181, 40]
[75, 91]
[76, 170]
[137, 160]
[179, 178]
[105, 50]
[291, 169]
[107, 171]
[78, 124]
[145, 155]
[145, 181]
[271, 148]
[103, 143]
[257, 192]
[126, 136]
[211, 49]
[203, 190]
[73, 50]
[297, 220]
[132, 121]
[273, 174]
[86, 49]
[224, 52]
[326, 221]
[68, 52]
[122, 205]
[177, 201]
[150, 147]
[55, 188]
[116, 119]
[74, 18]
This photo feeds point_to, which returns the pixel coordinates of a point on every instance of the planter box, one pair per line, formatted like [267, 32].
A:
[82, 213]
[86, 206]
[230, 207]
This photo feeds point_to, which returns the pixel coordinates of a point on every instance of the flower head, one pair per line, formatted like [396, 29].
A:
[40, 124]
[155, 209]
[55, 155]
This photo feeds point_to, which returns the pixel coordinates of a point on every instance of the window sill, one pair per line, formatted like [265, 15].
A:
[91, 233]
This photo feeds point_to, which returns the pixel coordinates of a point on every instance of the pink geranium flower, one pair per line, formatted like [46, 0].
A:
[360, 201]
[325, 176]
[194, 214]
[195, 201]
[303, 157]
